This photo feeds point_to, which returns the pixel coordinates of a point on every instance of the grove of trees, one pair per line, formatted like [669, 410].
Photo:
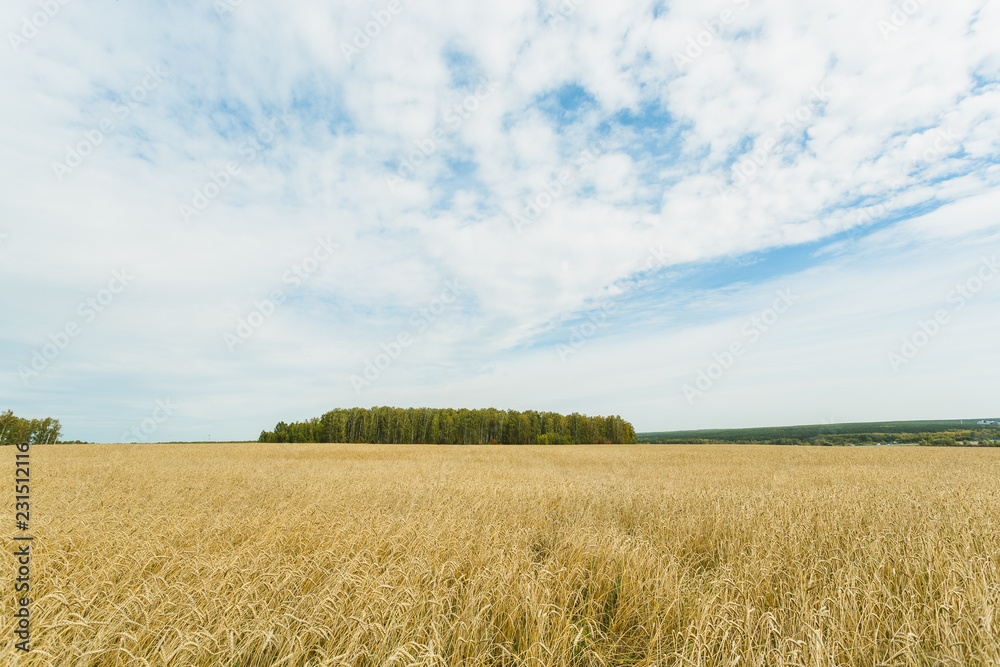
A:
[15, 430]
[453, 427]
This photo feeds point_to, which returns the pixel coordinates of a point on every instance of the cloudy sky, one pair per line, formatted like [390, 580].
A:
[692, 214]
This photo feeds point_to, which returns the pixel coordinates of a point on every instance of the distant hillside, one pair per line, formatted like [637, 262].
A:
[931, 432]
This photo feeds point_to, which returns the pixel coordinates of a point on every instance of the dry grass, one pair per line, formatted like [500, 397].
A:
[372, 555]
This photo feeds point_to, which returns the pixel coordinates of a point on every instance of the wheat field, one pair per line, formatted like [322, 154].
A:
[279, 554]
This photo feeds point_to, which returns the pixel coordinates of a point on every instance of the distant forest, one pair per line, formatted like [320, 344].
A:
[453, 427]
[940, 433]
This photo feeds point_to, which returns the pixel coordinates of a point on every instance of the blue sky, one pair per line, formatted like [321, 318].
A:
[252, 212]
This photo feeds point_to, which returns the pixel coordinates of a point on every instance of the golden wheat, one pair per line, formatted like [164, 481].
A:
[260, 554]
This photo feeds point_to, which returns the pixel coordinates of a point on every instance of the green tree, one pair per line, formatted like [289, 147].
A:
[447, 426]
[14, 430]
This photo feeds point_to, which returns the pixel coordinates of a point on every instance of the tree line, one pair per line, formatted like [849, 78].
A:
[15, 430]
[932, 433]
[445, 426]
